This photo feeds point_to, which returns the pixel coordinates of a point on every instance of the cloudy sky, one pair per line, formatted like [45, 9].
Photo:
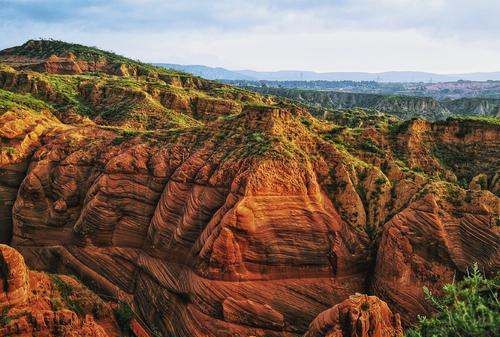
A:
[443, 36]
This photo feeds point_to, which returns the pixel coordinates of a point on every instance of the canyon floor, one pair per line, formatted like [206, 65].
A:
[210, 210]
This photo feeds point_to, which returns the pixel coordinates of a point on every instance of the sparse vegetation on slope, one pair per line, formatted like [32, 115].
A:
[10, 100]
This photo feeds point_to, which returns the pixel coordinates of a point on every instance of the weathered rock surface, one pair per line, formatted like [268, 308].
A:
[14, 280]
[429, 243]
[357, 316]
[34, 304]
[206, 245]
[253, 219]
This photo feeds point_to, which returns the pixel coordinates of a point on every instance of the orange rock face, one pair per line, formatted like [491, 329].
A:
[357, 316]
[13, 279]
[31, 305]
[251, 246]
[427, 244]
[243, 219]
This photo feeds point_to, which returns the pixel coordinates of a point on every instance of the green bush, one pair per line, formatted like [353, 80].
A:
[11, 150]
[66, 290]
[469, 308]
[123, 314]
[369, 146]
[4, 316]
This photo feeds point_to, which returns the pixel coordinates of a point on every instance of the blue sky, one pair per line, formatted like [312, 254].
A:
[444, 36]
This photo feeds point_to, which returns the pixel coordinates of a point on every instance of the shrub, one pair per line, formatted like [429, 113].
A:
[369, 146]
[483, 182]
[11, 151]
[258, 137]
[469, 308]
[453, 195]
[306, 122]
[66, 290]
[123, 314]
[56, 304]
[4, 316]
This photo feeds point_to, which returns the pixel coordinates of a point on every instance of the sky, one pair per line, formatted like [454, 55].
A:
[442, 36]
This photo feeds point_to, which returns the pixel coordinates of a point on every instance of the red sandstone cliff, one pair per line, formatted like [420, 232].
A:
[246, 220]
[35, 304]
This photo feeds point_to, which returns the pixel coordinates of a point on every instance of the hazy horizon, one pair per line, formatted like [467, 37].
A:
[324, 72]
[438, 36]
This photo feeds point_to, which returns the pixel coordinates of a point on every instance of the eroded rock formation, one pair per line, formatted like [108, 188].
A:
[249, 219]
[357, 316]
[36, 304]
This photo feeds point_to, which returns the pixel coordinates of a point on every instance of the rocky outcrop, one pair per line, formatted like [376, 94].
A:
[357, 316]
[430, 242]
[213, 220]
[34, 304]
[143, 103]
[14, 278]
[457, 150]
[202, 237]
[21, 132]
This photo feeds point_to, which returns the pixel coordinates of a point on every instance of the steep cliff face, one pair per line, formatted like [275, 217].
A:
[252, 218]
[431, 241]
[474, 106]
[459, 150]
[218, 214]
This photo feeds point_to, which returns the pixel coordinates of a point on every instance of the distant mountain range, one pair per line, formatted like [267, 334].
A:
[210, 73]
[298, 75]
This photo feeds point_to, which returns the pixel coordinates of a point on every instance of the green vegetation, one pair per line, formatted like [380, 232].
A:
[10, 150]
[483, 182]
[46, 48]
[67, 87]
[259, 106]
[399, 127]
[334, 134]
[469, 308]
[56, 303]
[453, 194]
[123, 314]
[66, 290]
[10, 100]
[257, 144]
[369, 146]
[125, 135]
[4, 317]
[306, 122]
[492, 120]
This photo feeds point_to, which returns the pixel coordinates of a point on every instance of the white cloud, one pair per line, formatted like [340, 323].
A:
[357, 35]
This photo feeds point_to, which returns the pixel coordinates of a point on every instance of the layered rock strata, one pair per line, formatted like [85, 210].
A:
[36, 304]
